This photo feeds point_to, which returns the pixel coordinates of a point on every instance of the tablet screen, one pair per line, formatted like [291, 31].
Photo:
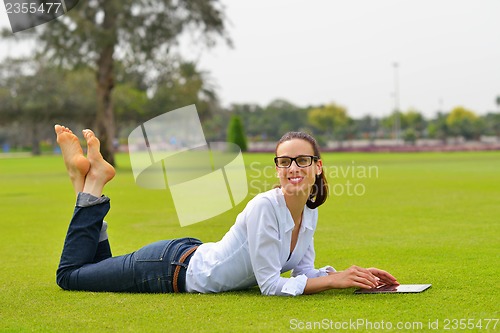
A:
[401, 288]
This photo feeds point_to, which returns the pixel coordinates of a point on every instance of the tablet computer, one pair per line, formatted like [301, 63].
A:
[396, 288]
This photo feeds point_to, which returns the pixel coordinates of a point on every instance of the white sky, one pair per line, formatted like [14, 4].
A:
[321, 51]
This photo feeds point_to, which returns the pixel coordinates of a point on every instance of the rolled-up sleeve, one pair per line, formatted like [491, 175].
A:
[264, 248]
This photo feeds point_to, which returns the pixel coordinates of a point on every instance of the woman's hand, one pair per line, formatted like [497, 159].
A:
[384, 277]
[355, 276]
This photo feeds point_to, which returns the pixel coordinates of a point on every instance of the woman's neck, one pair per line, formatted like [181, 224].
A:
[295, 204]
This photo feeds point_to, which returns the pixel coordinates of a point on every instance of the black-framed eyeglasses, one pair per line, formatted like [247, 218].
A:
[302, 161]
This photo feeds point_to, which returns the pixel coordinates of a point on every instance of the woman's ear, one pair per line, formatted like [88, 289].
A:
[319, 167]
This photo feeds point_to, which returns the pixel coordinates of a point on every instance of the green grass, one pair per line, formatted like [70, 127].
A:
[425, 217]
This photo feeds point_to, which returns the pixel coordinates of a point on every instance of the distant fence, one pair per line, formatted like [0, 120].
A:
[485, 144]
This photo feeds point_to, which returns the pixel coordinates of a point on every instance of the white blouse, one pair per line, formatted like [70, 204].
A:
[256, 250]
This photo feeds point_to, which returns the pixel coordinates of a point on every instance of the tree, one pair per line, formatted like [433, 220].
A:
[438, 129]
[492, 121]
[414, 120]
[331, 119]
[269, 123]
[130, 105]
[180, 85]
[139, 33]
[257, 126]
[367, 127]
[285, 116]
[411, 119]
[464, 122]
[236, 133]
[38, 94]
[410, 136]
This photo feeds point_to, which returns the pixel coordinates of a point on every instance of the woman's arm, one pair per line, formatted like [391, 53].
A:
[306, 265]
[354, 276]
[264, 247]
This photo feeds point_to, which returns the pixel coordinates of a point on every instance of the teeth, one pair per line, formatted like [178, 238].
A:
[295, 179]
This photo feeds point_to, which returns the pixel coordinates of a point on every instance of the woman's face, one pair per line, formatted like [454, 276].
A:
[295, 180]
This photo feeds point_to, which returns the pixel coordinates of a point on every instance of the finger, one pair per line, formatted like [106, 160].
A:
[386, 275]
[365, 274]
[388, 278]
[383, 275]
[362, 270]
[380, 278]
[369, 276]
[360, 283]
[366, 279]
[387, 281]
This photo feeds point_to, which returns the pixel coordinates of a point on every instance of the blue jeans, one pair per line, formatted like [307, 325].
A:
[87, 264]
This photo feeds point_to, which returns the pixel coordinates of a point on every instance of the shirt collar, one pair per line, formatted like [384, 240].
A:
[307, 222]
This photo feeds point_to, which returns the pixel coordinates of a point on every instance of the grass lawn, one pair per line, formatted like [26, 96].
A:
[425, 217]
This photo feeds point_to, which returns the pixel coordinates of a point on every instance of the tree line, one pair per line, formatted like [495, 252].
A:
[35, 93]
[331, 122]
[111, 65]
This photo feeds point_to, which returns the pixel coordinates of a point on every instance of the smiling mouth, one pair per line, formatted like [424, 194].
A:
[295, 180]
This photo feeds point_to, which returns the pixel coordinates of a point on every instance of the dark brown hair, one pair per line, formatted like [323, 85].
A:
[319, 192]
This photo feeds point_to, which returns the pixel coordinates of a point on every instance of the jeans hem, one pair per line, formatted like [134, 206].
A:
[88, 200]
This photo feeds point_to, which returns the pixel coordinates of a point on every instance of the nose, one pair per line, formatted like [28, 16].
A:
[293, 168]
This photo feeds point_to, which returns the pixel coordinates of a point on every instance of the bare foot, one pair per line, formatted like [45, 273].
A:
[76, 164]
[100, 171]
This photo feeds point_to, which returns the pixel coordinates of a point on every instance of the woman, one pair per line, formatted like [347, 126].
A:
[272, 235]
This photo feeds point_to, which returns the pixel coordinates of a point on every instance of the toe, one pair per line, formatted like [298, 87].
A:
[87, 133]
[58, 128]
